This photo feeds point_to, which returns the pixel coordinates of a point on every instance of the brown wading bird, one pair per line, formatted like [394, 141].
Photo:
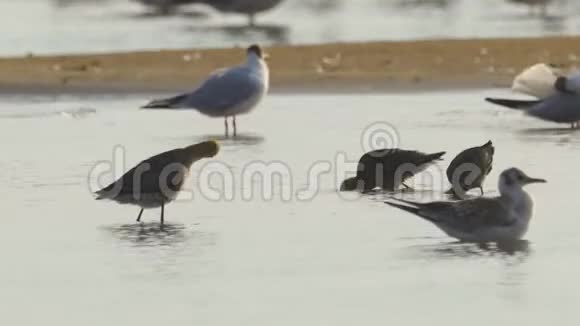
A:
[469, 169]
[388, 169]
[157, 180]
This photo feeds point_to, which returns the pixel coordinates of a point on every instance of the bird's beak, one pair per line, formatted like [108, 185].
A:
[535, 180]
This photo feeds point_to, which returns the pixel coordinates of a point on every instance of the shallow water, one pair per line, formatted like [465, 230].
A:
[326, 260]
[40, 26]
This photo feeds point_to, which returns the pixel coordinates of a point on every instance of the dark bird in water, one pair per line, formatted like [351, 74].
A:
[469, 169]
[388, 169]
[157, 180]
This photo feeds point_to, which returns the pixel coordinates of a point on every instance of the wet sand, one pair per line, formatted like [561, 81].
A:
[342, 67]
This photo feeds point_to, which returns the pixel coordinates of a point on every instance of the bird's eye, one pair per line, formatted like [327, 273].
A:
[520, 177]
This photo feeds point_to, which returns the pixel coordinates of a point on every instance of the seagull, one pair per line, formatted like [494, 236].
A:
[227, 92]
[499, 219]
[157, 180]
[558, 97]
[469, 169]
[388, 169]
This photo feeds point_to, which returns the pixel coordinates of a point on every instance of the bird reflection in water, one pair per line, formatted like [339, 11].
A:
[147, 250]
[263, 33]
[558, 136]
[518, 248]
[413, 4]
[150, 234]
[243, 139]
[321, 6]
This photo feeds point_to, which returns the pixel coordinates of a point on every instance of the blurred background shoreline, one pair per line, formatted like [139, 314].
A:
[315, 45]
[366, 67]
[102, 26]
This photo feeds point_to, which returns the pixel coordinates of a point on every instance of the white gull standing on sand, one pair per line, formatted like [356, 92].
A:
[499, 219]
[227, 92]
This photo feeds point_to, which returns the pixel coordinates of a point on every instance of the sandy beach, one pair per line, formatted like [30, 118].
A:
[341, 67]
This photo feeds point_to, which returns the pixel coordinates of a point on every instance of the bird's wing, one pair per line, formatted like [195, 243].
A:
[166, 103]
[537, 80]
[475, 159]
[561, 107]
[145, 177]
[466, 216]
[225, 89]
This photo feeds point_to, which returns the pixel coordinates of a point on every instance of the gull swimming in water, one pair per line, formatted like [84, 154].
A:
[227, 92]
[499, 219]
[558, 96]
[469, 169]
[157, 180]
[388, 169]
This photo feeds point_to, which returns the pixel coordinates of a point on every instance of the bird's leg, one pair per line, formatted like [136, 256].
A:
[162, 214]
[252, 20]
[481, 190]
[235, 128]
[408, 188]
[226, 126]
[543, 10]
[483, 246]
[139, 216]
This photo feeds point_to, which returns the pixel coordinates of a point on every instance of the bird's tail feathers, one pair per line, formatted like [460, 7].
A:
[406, 202]
[406, 207]
[105, 193]
[411, 207]
[166, 103]
[513, 104]
[99, 195]
[435, 156]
